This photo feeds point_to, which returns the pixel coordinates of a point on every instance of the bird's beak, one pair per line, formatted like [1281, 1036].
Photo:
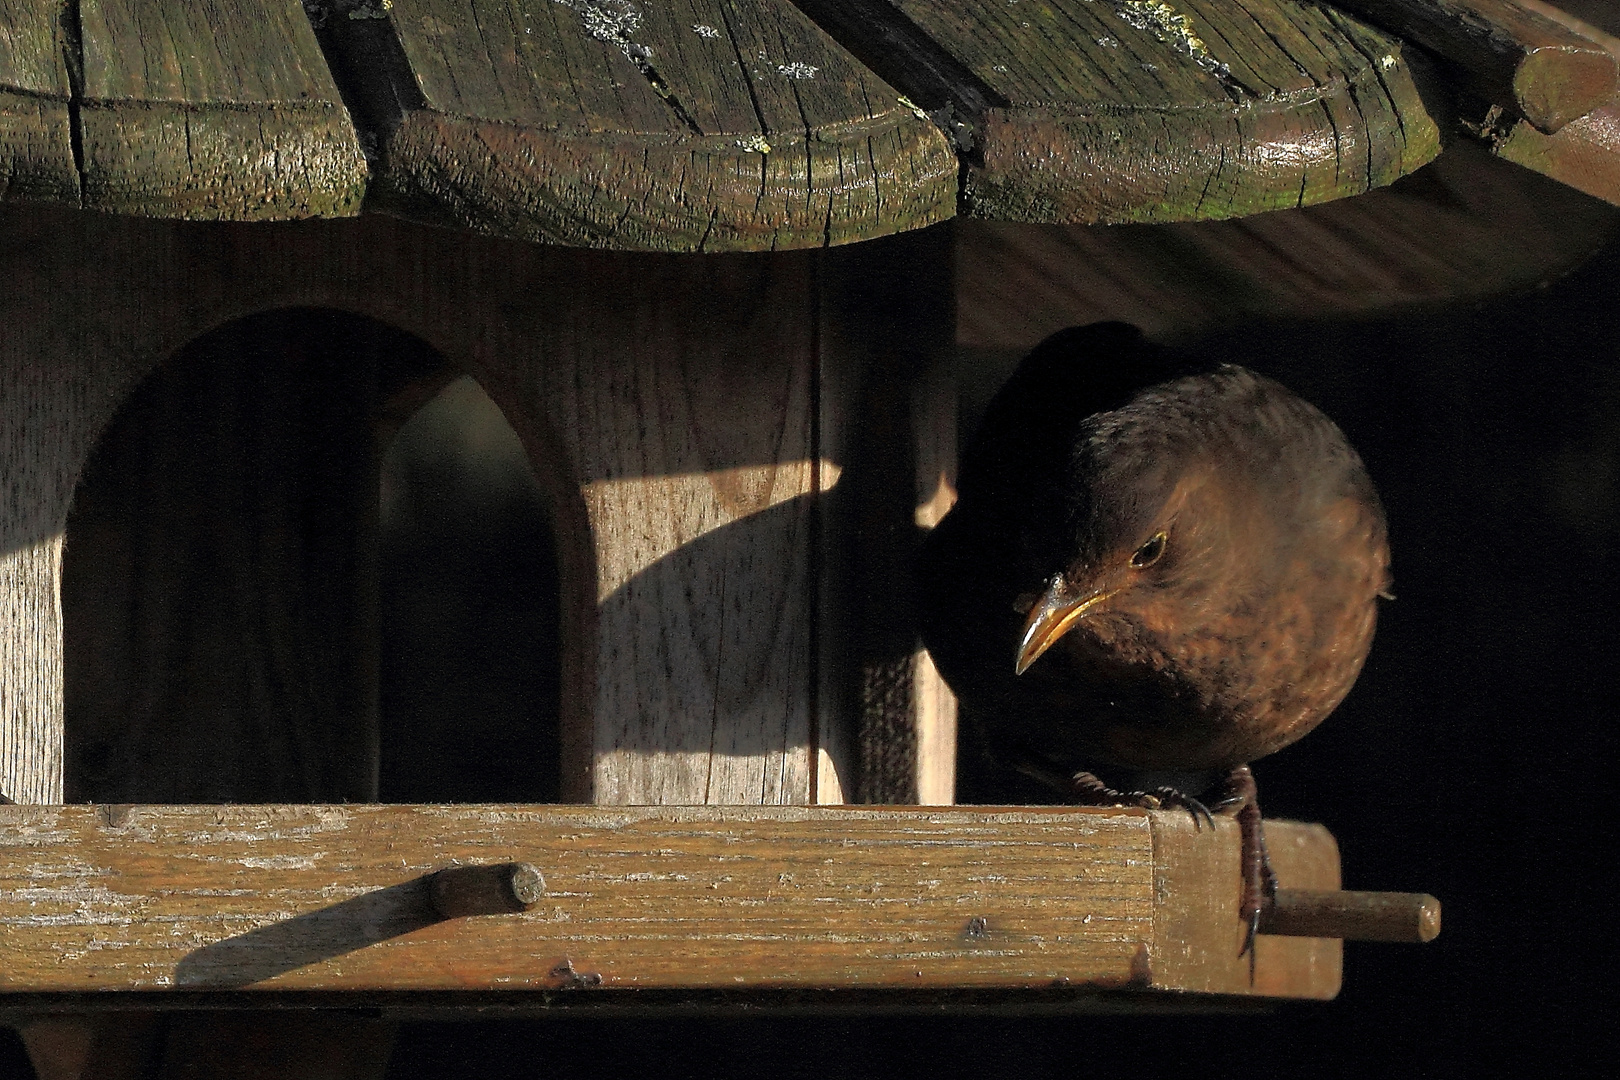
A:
[1053, 615]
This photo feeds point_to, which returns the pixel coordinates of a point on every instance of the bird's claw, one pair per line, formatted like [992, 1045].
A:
[1171, 799]
[1251, 930]
[1090, 791]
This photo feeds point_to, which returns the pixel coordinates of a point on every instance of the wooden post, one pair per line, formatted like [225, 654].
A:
[887, 334]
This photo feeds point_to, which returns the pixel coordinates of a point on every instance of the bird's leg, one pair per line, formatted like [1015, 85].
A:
[1239, 798]
[1086, 790]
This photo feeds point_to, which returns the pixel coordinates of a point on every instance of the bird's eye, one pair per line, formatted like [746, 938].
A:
[1149, 553]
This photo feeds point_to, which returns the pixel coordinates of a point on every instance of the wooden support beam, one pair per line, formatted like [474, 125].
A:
[1514, 56]
[213, 111]
[1585, 154]
[720, 127]
[336, 898]
[889, 413]
[36, 142]
[1126, 110]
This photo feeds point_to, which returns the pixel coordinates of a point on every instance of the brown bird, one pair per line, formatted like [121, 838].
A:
[1157, 567]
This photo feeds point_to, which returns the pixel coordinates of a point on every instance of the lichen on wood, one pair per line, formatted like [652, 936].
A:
[1083, 111]
[617, 124]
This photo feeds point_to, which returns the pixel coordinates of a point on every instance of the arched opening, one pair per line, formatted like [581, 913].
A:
[231, 603]
[469, 674]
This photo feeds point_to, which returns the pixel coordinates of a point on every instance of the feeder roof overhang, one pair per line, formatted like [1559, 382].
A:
[720, 125]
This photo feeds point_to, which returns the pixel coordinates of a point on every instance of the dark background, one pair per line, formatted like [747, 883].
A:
[1475, 759]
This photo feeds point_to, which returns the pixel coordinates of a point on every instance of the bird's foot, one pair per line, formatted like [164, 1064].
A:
[1239, 798]
[1086, 790]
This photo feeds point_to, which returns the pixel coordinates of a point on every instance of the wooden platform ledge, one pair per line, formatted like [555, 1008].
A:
[341, 898]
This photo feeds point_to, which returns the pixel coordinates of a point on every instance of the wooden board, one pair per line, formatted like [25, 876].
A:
[222, 109]
[36, 144]
[715, 126]
[889, 416]
[1584, 154]
[332, 898]
[198, 584]
[1146, 110]
[1513, 55]
[687, 418]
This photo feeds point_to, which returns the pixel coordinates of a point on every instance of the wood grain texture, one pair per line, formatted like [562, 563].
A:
[696, 447]
[222, 109]
[219, 592]
[1513, 55]
[715, 125]
[37, 414]
[1585, 154]
[1466, 226]
[1147, 110]
[334, 898]
[667, 405]
[36, 144]
[1198, 945]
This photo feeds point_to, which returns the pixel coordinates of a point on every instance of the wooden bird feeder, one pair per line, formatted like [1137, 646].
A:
[698, 259]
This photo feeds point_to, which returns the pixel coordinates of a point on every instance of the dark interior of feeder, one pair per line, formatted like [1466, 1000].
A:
[468, 620]
[286, 491]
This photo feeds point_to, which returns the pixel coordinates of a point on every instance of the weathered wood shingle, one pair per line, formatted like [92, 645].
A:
[1143, 110]
[221, 109]
[715, 125]
[36, 144]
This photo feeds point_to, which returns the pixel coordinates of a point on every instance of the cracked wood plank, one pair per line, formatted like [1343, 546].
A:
[333, 898]
[220, 110]
[36, 145]
[712, 125]
[1085, 111]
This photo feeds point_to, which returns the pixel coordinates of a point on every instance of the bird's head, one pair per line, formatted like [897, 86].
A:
[1191, 512]
[1138, 549]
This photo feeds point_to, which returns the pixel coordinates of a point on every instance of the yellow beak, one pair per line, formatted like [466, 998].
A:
[1052, 616]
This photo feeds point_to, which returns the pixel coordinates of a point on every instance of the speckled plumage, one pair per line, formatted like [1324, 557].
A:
[1248, 626]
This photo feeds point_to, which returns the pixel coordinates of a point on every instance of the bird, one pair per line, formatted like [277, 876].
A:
[1158, 569]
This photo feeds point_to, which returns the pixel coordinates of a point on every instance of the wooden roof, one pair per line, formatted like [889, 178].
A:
[721, 124]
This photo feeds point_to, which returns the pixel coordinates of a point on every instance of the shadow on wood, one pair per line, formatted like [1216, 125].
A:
[310, 938]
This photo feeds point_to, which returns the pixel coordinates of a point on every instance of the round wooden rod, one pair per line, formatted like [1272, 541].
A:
[1353, 916]
[495, 889]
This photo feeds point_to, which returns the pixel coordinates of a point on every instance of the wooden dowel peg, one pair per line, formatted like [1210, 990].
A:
[1515, 57]
[498, 889]
[1353, 916]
